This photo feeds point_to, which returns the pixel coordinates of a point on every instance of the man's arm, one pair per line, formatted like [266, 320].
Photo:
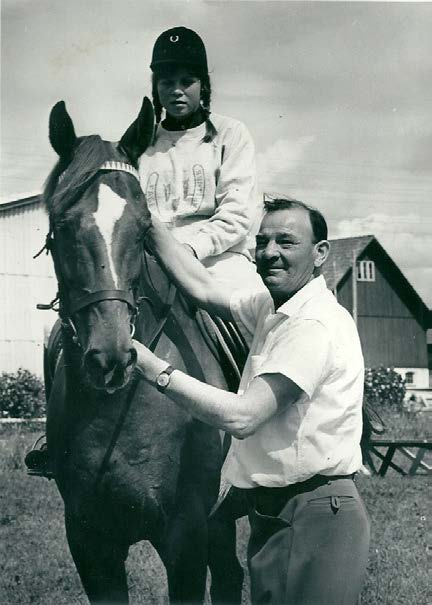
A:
[187, 272]
[238, 415]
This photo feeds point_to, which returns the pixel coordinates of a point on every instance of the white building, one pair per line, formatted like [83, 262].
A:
[24, 282]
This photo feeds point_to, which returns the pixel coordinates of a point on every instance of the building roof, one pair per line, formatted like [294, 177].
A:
[340, 262]
[13, 203]
[340, 259]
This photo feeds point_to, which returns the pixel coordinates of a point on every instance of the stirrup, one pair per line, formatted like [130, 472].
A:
[37, 460]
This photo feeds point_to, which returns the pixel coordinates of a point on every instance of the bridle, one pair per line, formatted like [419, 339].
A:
[68, 308]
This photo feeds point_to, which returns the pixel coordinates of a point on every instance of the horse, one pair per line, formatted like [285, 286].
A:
[129, 464]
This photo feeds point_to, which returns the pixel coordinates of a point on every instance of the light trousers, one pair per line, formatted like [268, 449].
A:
[314, 551]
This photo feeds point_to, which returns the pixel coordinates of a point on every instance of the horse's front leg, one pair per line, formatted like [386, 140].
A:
[184, 552]
[100, 562]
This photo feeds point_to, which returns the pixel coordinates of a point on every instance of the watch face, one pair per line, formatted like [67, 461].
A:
[163, 379]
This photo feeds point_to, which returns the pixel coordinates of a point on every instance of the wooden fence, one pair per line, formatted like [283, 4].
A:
[413, 450]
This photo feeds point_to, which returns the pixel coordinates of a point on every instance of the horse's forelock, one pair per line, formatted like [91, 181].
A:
[89, 154]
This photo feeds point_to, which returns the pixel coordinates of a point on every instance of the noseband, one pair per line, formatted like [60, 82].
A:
[68, 310]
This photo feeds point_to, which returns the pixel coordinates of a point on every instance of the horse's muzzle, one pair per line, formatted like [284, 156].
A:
[109, 371]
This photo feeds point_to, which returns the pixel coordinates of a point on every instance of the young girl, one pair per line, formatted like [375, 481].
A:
[199, 174]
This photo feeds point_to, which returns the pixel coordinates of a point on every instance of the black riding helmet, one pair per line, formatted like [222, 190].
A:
[179, 45]
[183, 46]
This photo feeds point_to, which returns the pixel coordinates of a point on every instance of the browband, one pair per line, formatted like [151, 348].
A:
[112, 165]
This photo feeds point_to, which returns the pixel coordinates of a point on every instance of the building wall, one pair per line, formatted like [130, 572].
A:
[392, 342]
[24, 282]
[420, 377]
[389, 333]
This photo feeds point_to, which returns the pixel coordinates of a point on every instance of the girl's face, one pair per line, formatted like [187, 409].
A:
[179, 92]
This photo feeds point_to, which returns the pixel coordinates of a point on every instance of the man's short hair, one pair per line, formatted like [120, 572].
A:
[318, 222]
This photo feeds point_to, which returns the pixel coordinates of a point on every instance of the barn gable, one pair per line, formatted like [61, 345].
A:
[391, 317]
[338, 270]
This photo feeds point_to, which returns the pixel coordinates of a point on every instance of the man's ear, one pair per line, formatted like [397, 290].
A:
[322, 250]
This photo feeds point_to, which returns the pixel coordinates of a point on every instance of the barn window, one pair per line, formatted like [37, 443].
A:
[409, 377]
[366, 270]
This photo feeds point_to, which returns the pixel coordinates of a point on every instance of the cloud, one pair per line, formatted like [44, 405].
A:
[280, 159]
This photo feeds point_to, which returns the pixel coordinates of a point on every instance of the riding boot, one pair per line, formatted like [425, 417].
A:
[38, 462]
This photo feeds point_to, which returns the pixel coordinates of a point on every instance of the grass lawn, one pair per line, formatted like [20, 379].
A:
[36, 567]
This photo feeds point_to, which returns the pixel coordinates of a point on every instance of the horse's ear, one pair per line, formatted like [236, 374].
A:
[61, 130]
[139, 135]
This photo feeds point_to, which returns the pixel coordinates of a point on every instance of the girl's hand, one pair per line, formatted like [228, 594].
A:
[149, 364]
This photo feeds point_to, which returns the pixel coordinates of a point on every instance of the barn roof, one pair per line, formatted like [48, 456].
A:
[340, 258]
[339, 265]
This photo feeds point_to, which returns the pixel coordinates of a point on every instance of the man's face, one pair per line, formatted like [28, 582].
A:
[285, 253]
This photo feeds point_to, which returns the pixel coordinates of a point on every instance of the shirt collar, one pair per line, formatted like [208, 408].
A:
[311, 289]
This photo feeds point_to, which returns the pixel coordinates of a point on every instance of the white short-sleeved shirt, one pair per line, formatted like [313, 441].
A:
[312, 340]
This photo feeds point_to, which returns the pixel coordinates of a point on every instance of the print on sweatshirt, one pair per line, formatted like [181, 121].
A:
[161, 200]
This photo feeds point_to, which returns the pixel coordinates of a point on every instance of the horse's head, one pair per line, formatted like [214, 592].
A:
[98, 218]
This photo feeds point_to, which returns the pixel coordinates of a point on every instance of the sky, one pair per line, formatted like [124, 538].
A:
[337, 96]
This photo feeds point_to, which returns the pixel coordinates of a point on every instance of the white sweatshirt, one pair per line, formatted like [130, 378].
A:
[205, 192]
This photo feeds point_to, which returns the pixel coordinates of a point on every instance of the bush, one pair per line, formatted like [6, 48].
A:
[383, 387]
[22, 395]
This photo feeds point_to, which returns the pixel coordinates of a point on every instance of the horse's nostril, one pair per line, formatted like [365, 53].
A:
[92, 359]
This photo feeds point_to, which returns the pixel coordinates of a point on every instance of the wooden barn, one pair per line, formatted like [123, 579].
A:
[24, 282]
[391, 317]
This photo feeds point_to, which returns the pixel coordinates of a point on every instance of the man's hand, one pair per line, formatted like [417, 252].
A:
[149, 364]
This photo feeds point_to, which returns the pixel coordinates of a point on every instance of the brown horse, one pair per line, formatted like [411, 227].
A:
[129, 464]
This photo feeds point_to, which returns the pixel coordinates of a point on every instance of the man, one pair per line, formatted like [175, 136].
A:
[296, 420]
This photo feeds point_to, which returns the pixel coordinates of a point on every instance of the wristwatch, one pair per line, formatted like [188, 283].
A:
[163, 379]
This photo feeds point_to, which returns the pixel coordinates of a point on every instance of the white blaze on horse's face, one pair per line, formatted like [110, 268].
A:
[110, 210]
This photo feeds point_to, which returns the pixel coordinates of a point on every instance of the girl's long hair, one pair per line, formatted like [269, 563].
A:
[204, 78]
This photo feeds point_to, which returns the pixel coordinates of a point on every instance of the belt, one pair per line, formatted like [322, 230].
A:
[271, 500]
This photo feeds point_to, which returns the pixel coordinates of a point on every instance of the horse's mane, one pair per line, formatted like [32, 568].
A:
[60, 193]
